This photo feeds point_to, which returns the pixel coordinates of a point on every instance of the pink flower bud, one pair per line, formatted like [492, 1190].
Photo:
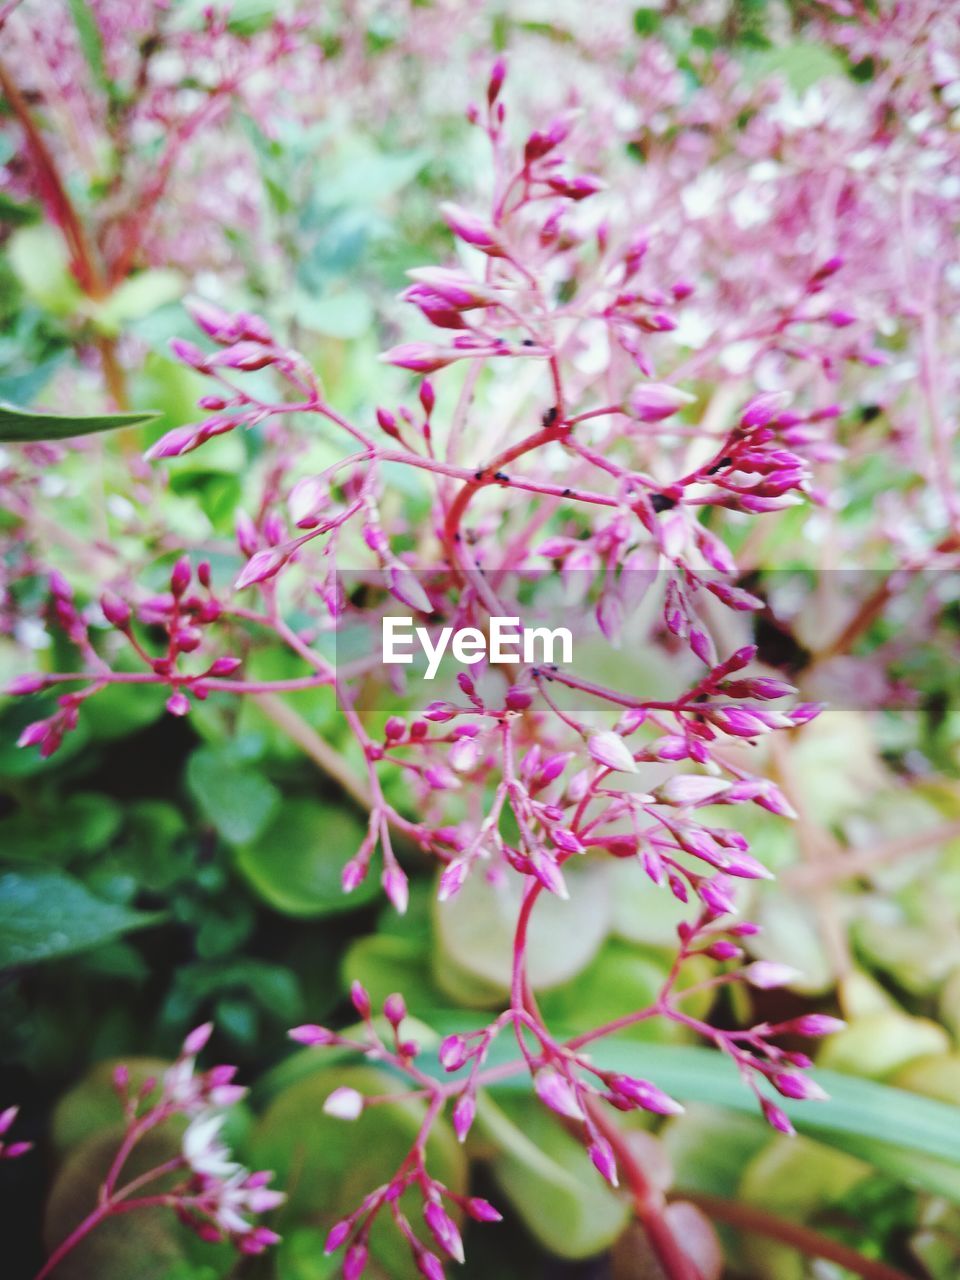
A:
[428, 397]
[553, 766]
[308, 498]
[394, 1009]
[557, 1093]
[654, 401]
[764, 408]
[396, 888]
[7, 1118]
[344, 1104]
[224, 666]
[189, 354]
[394, 729]
[337, 1235]
[768, 974]
[261, 567]
[716, 896]
[498, 74]
[452, 880]
[482, 1210]
[197, 1039]
[26, 684]
[419, 357]
[178, 704]
[213, 320]
[453, 1053]
[406, 586]
[429, 1265]
[610, 750]
[812, 1024]
[646, 1095]
[310, 1034]
[798, 1087]
[444, 1230]
[464, 1111]
[518, 699]
[566, 840]
[245, 356]
[360, 999]
[776, 1117]
[691, 789]
[604, 1161]
[465, 755]
[180, 576]
[34, 733]
[355, 1261]
[471, 229]
[724, 950]
[353, 874]
[439, 712]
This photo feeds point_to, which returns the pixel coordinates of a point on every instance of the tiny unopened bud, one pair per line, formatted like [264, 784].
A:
[360, 999]
[311, 1034]
[557, 1093]
[344, 1103]
[444, 1230]
[180, 576]
[464, 1111]
[768, 974]
[394, 1009]
[197, 1039]
[610, 750]
[178, 704]
[453, 1053]
[32, 683]
[482, 1210]
[654, 401]
[604, 1161]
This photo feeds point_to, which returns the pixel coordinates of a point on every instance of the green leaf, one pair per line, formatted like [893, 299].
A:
[327, 1165]
[295, 865]
[91, 41]
[475, 929]
[18, 425]
[911, 1138]
[238, 801]
[137, 297]
[549, 1178]
[46, 914]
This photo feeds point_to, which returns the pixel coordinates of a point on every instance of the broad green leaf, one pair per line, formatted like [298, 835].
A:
[18, 426]
[709, 1147]
[296, 863]
[385, 964]
[237, 800]
[549, 1178]
[794, 1177]
[77, 825]
[138, 297]
[911, 1138]
[92, 1105]
[146, 1244]
[38, 257]
[45, 915]
[881, 1043]
[475, 928]
[801, 65]
[328, 1165]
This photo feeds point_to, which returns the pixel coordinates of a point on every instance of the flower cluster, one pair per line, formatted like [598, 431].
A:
[679, 388]
[209, 1191]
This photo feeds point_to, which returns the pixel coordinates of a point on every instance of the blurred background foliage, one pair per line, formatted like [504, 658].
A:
[159, 872]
